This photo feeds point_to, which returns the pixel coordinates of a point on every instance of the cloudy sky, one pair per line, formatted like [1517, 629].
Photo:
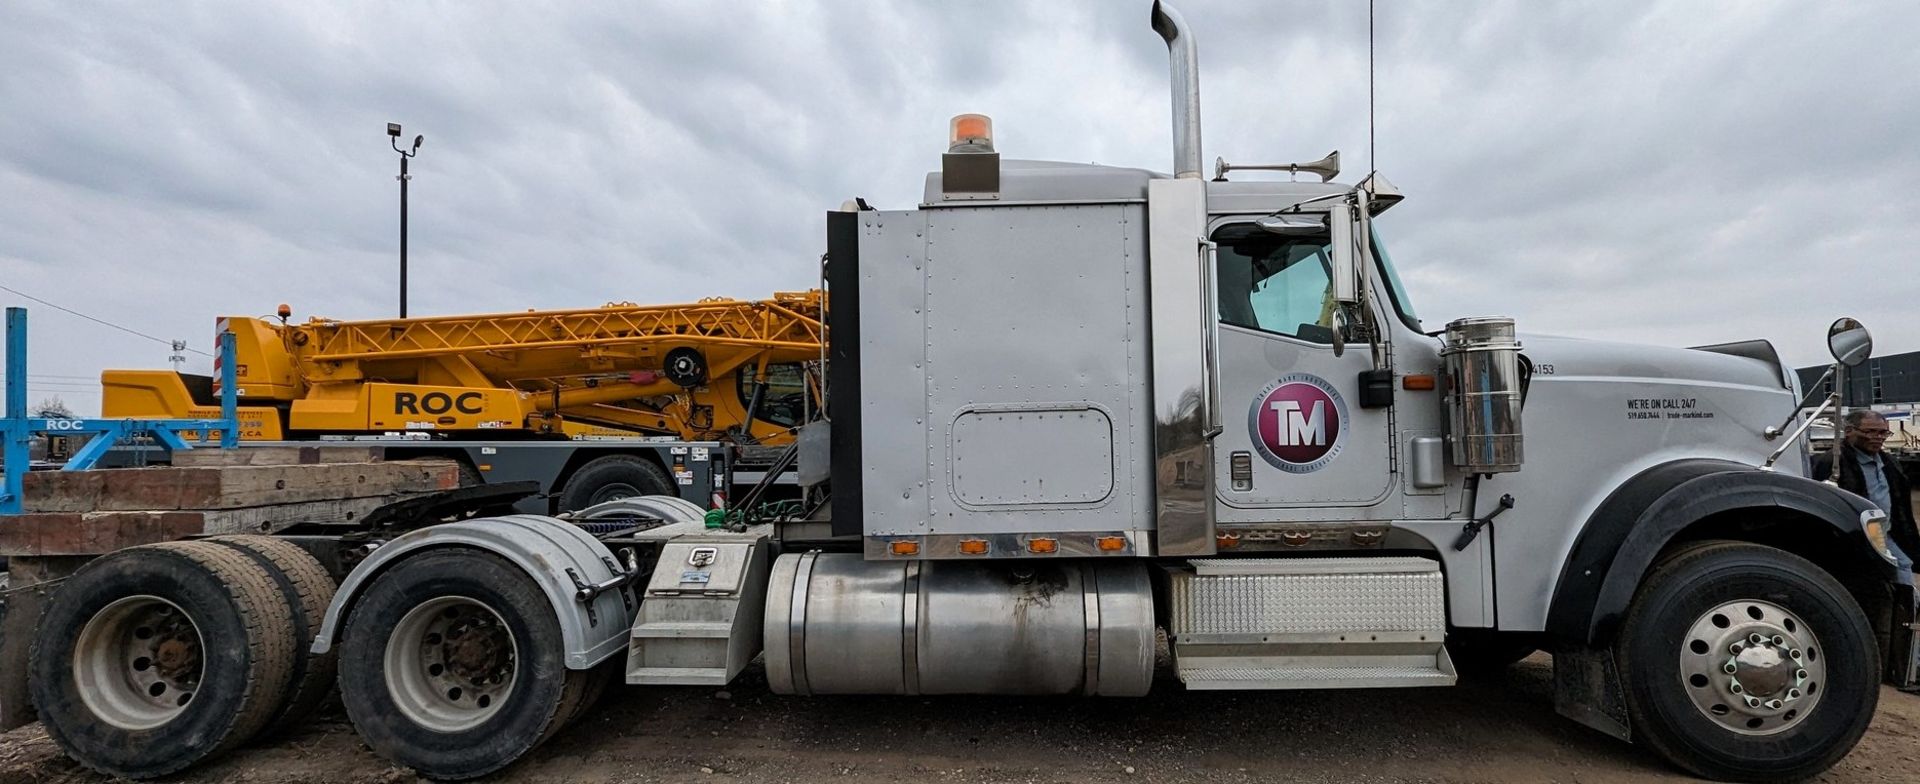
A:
[1671, 172]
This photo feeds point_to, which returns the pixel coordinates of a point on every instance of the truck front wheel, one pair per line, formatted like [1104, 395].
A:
[451, 663]
[1743, 662]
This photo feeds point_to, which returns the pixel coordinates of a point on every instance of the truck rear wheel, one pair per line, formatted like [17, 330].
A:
[1743, 662]
[155, 658]
[612, 478]
[308, 589]
[452, 664]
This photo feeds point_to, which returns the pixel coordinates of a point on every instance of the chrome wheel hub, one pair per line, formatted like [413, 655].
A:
[1752, 667]
[138, 662]
[450, 664]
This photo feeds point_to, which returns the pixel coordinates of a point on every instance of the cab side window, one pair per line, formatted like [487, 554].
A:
[785, 401]
[1276, 283]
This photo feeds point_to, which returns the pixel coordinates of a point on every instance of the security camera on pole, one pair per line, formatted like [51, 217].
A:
[393, 130]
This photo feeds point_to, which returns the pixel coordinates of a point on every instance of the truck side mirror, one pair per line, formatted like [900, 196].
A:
[1849, 342]
[1346, 267]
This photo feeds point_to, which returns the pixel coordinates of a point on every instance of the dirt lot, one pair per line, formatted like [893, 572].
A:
[1503, 730]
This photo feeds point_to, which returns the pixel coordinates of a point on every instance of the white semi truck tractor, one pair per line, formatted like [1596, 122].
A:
[1077, 412]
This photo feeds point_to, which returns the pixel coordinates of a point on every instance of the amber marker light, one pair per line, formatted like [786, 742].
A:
[1111, 544]
[904, 547]
[1418, 382]
[1227, 541]
[973, 547]
[1042, 546]
[972, 131]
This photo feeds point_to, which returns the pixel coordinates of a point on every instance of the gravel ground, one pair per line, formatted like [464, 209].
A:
[1502, 730]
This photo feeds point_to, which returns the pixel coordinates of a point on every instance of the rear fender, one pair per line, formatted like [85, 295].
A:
[545, 548]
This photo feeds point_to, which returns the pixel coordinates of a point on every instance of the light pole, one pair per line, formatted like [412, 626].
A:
[393, 130]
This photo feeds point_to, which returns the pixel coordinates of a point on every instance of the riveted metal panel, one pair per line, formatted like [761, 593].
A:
[972, 313]
[1017, 455]
[893, 375]
[1039, 308]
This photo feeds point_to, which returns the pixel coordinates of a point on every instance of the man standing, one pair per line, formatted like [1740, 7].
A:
[1866, 470]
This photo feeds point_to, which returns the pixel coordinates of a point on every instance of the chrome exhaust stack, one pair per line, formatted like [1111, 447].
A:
[1184, 57]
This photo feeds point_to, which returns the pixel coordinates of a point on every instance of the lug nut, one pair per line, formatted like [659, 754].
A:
[1774, 704]
[1800, 675]
[1736, 648]
[1779, 640]
[1730, 668]
[1735, 687]
[1793, 694]
[1794, 653]
[1752, 702]
[1755, 638]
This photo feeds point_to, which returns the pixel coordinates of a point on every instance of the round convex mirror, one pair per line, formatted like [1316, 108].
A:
[1849, 341]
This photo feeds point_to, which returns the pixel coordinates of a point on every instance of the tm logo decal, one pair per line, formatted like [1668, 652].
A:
[1299, 423]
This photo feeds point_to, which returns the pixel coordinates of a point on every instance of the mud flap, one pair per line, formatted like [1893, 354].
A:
[20, 609]
[1586, 688]
[1903, 649]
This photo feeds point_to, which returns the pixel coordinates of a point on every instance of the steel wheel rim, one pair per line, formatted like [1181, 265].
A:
[1752, 667]
[613, 492]
[450, 664]
[138, 662]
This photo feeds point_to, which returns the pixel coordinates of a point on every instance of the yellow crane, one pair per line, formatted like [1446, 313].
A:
[717, 369]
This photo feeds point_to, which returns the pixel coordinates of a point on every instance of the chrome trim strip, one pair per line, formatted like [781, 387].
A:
[1090, 598]
[910, 611]
[1182, 330]
[797, 626]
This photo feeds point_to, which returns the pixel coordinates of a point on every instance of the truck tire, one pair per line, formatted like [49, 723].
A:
[614, 477]
[594, 684]
[154, 658]
[452, 663]
[308, 589]
[1746, 663]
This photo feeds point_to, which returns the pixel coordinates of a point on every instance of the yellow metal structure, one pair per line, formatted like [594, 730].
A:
[685, 371]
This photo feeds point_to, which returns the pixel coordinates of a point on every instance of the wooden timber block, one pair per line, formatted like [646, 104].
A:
[92, 533]
[271, 519]
[278, 455]
[230, 487]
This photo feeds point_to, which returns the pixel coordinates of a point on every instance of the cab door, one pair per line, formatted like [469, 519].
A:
[1295, 444]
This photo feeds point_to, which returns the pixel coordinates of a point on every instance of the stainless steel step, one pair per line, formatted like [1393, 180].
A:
[678, 676]
[1359, 676]
[684, 629]
[1309, 623]
[699, 618]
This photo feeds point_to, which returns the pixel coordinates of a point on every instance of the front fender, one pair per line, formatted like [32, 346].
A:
[1639, 519]
[543, 547]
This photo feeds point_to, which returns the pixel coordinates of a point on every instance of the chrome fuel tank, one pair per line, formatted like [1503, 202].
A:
[839, 624]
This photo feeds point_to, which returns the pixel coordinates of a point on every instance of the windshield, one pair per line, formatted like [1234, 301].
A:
[1395, 290]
